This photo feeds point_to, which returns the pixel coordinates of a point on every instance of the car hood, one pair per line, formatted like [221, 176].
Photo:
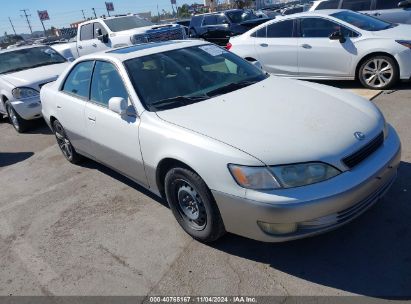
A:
[34, 78]
[281, 121]
[401, 31]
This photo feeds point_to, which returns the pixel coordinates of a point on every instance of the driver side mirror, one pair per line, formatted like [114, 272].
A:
[101, 37]
[337, 36]
[405, 4]
[118, 105]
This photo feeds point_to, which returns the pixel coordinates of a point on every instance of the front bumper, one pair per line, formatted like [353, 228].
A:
[316, 208]
[29, 108]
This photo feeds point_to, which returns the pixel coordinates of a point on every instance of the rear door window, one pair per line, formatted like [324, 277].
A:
[282, 29]
[78, 81]
[86, 32]
[357, 5]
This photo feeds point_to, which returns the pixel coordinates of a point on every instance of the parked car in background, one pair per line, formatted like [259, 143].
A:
[394, 11]
[220, 26]
[229, 147]
[23, 71]
[119, 31]
[330, 44]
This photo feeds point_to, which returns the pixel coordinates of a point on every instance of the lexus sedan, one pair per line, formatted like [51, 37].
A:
[203, 128]
[23, 71]
[330, 44]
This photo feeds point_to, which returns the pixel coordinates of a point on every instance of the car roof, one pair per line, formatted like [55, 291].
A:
[326, 12]
[144, 49]
[21, 48]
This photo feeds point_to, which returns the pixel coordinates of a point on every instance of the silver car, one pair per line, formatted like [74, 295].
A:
[229, 147]
[395, 11]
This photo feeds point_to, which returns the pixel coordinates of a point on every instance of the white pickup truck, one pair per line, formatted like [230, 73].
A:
[114, 32]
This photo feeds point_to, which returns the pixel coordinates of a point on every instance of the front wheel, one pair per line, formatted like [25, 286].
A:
[193, 205]
[65, 145]
[15, 119]
[378, 72]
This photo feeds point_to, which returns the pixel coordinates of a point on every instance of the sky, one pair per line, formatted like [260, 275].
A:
[64, 12]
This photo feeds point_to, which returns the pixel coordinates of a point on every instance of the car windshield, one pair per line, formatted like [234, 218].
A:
[24, 59]
[181, 77]
[364, 22]
[241, 16]
[126, 23]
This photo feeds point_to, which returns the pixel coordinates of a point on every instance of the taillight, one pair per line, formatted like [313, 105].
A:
[228, 46]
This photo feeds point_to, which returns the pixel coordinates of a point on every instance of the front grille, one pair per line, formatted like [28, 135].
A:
[357, 157]
[160, 35]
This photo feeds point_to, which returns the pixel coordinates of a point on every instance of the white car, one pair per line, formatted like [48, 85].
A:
[23, 71]
[229, 147]
[330, 44]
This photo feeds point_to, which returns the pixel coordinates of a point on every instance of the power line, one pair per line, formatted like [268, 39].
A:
[12, 27]
[27, 18]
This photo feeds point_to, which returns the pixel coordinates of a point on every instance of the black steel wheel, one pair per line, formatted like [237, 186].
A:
[193, 205]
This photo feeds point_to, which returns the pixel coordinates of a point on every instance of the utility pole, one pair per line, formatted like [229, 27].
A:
[27, 18]
[94, 11]
[12, 27]
[158, 13]
[84, 16]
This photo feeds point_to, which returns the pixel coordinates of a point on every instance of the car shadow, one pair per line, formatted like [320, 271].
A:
[370, 256]
[8, 159]
[91, 164]
[39, 126]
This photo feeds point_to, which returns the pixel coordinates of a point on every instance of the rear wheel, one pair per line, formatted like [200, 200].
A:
[378, 72]
[193, 205]
[15, 119]
[65, 145]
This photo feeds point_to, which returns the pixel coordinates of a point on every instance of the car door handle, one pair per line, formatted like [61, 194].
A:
[58, 107]
[306, 46]
[80, 47]
[93, 119]
[377, 14]
[95, 45]
[264, 44]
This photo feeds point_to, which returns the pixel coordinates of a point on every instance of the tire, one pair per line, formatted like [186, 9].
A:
[193, 205]
[19, 124]
[378, 73]
[65, 145]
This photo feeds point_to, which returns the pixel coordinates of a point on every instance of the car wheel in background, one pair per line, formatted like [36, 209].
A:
[378, 72]
[65, 145]
[193, 205]
[15, 119]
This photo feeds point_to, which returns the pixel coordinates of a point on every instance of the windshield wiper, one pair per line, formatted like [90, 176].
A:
[231, 87]
[178, 100]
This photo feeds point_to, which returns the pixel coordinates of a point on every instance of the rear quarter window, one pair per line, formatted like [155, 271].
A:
[332, 4]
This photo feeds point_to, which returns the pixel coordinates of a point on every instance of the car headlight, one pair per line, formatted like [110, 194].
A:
[297, 175]
[257, 178]
[22, 93]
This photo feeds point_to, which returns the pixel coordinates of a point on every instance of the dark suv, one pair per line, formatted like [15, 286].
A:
[395, 11]
[220, 26]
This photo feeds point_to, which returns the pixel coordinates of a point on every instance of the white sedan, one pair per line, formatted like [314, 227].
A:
[229, 147]
[23, 71]
[330, 44]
